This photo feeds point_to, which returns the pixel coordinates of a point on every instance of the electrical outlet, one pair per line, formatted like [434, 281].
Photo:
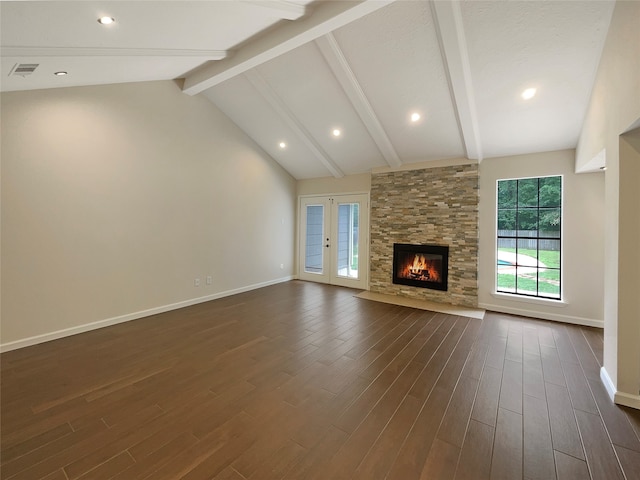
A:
[196, 282]
[209, 280]
[282, 266]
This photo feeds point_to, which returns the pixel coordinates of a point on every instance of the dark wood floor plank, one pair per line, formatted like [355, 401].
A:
[275, 435]
[633, 416]
[511, 387]
[33, 443]
[434, 356]
[313, 464]
[413, 454]
[211, 454]
[355, 449]
[506, 461]
[563, 345]
[119, 440]
[496, 353]
[538, 449]
[57, 475]
[21, 425]
[382, 454]
[456, 419]
[629, 461]
[551, 368]
[615, 421]
[477, 357]
[54, 455]
[545, 336]
[532, 376]
[564, 430]
[156, 459]
[570, 468]
[302, 380]
[363, 438]
[392, 368]
[601, 458]
[273, 465]
[588, 361]
[319, 408]
[600, 455]
[485, 409]
[376, 336]
[530, 342]
[441, 462]
[228, 474]
[595, 341]
[579, 390]
[391, 336]
[475, 457]
[514, 343]
[110, 468]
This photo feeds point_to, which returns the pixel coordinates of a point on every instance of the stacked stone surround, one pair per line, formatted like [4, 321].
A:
[437, 206]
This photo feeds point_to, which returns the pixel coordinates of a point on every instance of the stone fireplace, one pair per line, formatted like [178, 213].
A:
[432, 206]
[424, 266]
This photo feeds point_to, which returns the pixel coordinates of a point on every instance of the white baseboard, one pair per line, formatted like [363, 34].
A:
[608, 384]
[46, 337]
[627, 400]
[587, 322]
[620, 398]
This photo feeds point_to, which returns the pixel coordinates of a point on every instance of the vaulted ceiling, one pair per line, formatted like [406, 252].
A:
[289, 73]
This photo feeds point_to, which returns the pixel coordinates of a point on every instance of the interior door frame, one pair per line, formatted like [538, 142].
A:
[363, 245]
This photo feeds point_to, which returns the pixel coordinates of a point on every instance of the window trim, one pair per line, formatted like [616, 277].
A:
[551, 302]
[531, 298]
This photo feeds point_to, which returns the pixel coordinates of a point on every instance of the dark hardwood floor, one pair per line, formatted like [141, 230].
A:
[305, 381]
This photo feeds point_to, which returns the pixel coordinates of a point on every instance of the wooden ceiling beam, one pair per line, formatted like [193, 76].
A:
[325, 18]
[453, 46]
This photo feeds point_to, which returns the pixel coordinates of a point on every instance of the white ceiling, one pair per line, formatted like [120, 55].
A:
[292, 71]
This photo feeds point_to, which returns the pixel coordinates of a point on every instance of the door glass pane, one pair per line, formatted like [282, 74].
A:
[348, 231]
[314, 236]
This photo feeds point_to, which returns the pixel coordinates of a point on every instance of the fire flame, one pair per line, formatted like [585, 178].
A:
[422, 267]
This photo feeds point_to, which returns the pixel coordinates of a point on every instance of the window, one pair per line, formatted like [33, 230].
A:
[529, 237]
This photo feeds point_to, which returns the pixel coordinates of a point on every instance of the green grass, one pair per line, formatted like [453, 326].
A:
[548, 280]
[528, 285]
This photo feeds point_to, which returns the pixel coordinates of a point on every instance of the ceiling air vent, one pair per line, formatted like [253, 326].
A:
[23, 69]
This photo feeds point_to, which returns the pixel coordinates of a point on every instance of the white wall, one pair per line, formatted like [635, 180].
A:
[629, 265]
[115, 198]
[613, 110]
[330, 185]
[583, 238]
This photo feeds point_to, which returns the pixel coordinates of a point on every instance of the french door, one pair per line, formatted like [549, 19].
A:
[334, 240]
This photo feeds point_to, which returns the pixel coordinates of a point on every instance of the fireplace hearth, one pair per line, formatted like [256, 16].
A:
[424, 266]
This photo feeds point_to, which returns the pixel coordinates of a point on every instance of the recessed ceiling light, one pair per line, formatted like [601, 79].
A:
[336, 132]
[415, 117]
[60, 74]
[106, 20]
[529, 93]
[282, 145]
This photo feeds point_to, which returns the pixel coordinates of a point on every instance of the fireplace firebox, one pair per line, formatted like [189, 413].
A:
[424, 266]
